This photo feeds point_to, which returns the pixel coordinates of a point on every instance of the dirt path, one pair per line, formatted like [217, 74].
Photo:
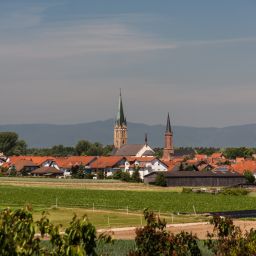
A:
[200, 229]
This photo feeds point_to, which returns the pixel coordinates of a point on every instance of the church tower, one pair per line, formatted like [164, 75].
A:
[168, 141]
[120, 129]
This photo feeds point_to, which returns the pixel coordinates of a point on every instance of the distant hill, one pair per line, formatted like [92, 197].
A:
[46, 135]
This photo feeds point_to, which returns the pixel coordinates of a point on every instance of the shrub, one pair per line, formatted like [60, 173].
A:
[250, 179]
[234, 191]
[228, 239]
[126, 176]
[154, 240]
[117, 175]
[186, 190]
[160, 180]
[17, 235]
[136, 176]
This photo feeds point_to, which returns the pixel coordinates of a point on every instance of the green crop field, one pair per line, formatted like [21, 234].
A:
[41, 198]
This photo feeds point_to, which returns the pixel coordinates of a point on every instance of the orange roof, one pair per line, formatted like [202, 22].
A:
[140, 159]
[200, 157]
[217, 155]
[35, 159]
[106, 162]
[240, 159]
[246, 165]
[67, 162]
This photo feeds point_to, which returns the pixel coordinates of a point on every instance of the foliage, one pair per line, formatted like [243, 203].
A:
[154, 240]
[250, 178]
[136, 175]
[206, 151]
[232, 153]
[126, 176]
[160, 180]
[84, 147]
[100, 175]
[234, 191]
[117, 175]
[77, 172]
[8, 141]
[228, 239]
[20, 148]
[158, 152]
[17, 235]
[57, 150]
[186, 190]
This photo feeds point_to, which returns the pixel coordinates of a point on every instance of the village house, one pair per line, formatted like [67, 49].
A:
[144, 165]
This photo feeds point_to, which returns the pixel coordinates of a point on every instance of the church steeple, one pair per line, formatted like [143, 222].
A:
[120, 129]
[120, 118]
[168, 142]
[168, 124]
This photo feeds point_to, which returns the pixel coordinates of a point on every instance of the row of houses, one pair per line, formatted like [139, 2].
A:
[58, 166]
[180, 170]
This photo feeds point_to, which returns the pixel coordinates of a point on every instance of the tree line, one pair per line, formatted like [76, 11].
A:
[10, 144]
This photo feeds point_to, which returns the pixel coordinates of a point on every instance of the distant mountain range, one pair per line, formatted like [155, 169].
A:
[47, 135]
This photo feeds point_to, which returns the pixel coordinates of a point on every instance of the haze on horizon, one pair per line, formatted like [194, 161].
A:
[63, 62]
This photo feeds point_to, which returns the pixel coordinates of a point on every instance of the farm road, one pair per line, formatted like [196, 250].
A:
[200, 229]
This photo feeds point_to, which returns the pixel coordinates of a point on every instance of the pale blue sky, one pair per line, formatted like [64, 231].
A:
[64, 61]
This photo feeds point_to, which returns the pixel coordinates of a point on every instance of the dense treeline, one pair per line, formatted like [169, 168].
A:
[10, 144]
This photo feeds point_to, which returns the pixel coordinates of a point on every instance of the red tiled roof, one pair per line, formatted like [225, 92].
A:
[246, 165]
[106, 162]
[217, 155]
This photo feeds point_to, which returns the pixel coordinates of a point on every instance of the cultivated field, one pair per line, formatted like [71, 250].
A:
[82, 184]
[42, 197]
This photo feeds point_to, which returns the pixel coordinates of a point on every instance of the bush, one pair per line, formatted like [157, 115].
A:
[126, 176]
[117, 175]
[136, 176]
[250, 179]
[160, 180]
[17, 235]
[228, 239]
[234, 191]
[187, 190]
[154, 240]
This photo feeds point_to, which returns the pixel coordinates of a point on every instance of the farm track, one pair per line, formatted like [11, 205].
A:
[200, 229]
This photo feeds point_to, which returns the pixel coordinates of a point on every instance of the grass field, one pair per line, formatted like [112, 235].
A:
[108, 219]
[165, 202]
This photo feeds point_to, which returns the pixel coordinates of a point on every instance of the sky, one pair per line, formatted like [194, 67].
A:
[63, 61]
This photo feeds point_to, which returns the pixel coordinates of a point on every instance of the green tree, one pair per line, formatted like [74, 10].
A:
[228, 239]
[160, 180]
[17, 236]
[136, 175]
[155, 240]
[20, 148]
[8, 140]
[117, 175]
[232, 153]
[82, 147]
[250, 178]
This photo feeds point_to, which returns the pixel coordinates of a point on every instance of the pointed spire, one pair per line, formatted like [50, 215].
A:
[168, 124]
[146, 139]
[120, 118]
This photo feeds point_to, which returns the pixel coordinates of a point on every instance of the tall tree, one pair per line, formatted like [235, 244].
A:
[8, 140]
